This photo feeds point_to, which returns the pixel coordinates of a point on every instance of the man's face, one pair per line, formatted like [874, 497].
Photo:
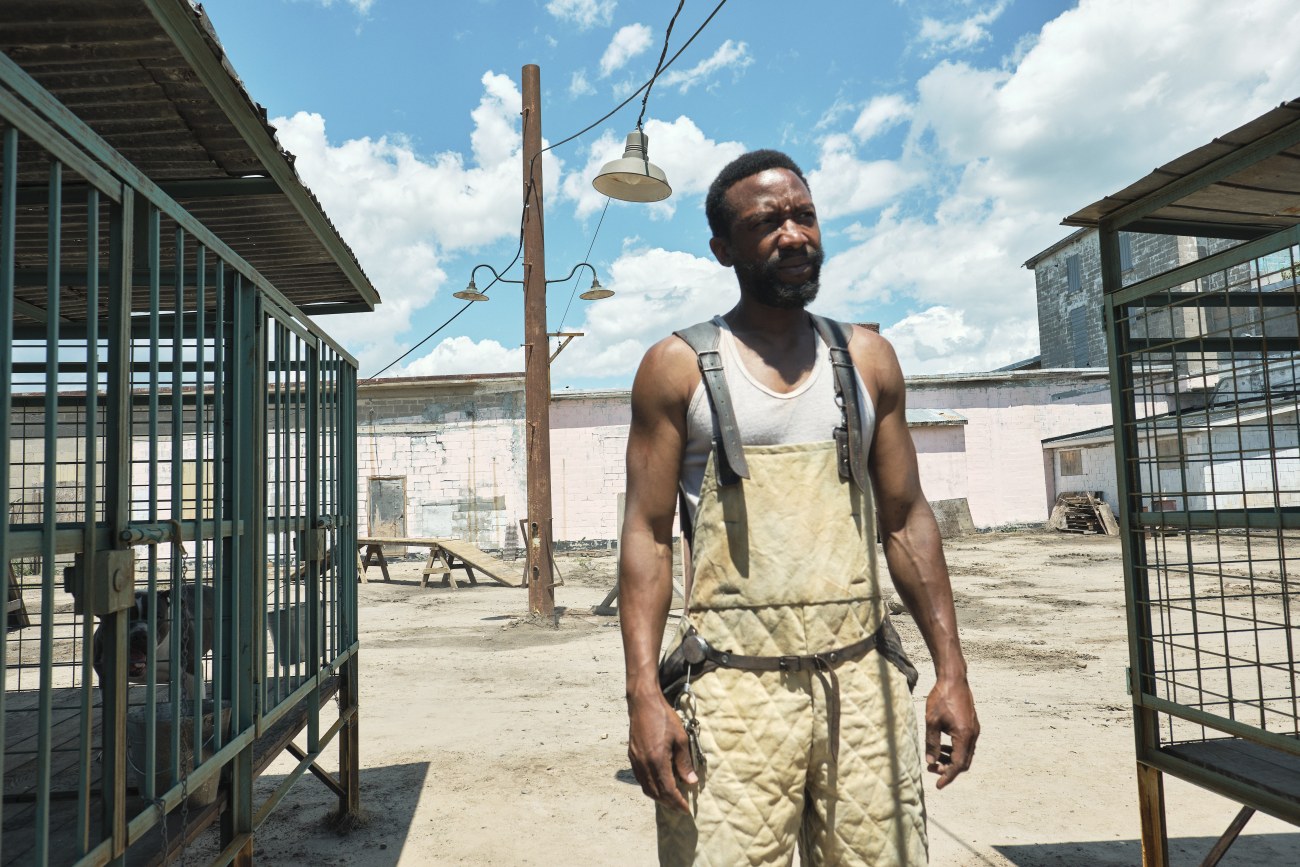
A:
[775, 245]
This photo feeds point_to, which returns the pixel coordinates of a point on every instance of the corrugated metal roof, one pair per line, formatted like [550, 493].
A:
[934, 417]
[150, 77]
[1186, 421]
[1246, 198]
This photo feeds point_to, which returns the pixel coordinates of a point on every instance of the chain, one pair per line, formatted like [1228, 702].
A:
[185, 807]
[196, 751]
[158, 803]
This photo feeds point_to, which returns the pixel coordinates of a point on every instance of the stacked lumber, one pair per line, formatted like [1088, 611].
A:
[1083, 512]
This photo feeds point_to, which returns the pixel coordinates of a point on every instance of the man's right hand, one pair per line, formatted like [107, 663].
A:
[659, 752]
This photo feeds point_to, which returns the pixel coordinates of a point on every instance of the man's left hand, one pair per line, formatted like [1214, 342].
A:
[950, 710]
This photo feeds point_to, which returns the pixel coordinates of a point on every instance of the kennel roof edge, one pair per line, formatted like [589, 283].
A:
[151, 78]
[1220, 189]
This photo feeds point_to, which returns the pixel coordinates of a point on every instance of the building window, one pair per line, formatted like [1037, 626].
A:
[1074, 282]
[1071, 462]
[1079, 336]
[1125, 251]
[1169, 449]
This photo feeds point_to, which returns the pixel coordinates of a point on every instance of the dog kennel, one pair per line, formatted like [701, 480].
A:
[179, 510]
[1205, 366]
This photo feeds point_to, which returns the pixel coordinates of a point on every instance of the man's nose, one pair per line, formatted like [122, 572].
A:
[791, 235]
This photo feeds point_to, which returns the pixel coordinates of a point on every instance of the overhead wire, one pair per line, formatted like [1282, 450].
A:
[585, 258]
[668, 34]
[659, 70]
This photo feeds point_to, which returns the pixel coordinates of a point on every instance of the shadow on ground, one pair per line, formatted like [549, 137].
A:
[1250, 850]
[297, 832]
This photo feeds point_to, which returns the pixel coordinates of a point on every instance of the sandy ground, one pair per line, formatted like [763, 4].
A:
[490, 740]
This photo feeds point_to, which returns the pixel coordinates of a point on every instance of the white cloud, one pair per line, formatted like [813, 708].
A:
[1100, 96]
[585, 13]
[361, 6]
[951, 36]
[688, 157]
[844, 184]
[457, 355]
[627, 43]
[730, 55]
[657, 291]
[578, 84]
[882, 113]
[403, 212]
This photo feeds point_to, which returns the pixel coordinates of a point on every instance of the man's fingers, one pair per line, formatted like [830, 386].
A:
[683, 766]
[957, 760]
[932, 733]
[669, 795]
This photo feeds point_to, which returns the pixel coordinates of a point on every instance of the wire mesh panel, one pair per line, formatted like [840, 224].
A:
[1207, 366]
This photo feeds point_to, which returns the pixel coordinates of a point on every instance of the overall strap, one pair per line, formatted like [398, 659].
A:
[848, 436]
[704, 339]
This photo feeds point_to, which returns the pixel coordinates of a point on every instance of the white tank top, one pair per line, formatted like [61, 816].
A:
[765, 417]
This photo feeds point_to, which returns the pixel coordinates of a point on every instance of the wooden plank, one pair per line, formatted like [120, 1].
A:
[1229, 837]
[490, 566]
[416, 541]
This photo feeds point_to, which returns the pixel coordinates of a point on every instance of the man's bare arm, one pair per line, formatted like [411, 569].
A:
[657, 745]
[914, 553]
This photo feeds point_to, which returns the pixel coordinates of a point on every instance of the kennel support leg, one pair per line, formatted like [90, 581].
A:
[1151, 807]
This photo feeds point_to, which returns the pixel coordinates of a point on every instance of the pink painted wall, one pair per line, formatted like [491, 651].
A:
[588, 447]
[1009, 415]
[941, 458]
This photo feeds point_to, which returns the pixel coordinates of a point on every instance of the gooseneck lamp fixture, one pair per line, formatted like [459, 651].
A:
[595, 293]
[633, 178]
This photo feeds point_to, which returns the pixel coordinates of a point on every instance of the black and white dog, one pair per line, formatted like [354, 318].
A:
[196, 636]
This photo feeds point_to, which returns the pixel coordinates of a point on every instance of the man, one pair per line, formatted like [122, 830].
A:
[793, 717]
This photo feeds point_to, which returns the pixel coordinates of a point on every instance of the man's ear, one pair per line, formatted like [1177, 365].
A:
[721, 248]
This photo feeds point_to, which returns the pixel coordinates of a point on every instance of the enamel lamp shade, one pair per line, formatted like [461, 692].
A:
[633, 178]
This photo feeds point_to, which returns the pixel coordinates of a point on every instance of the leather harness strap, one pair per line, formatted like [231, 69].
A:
[848, 436]
[704, 339]
[697, 657]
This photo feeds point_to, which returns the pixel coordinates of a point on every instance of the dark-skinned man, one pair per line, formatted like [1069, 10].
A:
[784, 437]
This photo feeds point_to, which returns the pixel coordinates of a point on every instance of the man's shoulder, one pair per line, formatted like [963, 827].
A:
[668, 374]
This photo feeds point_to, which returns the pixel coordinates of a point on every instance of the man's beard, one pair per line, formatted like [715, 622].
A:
[763, 282]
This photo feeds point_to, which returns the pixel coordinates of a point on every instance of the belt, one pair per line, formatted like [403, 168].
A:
[701, 657]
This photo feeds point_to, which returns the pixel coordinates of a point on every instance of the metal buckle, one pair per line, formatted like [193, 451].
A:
[694, 648]
[790, 663]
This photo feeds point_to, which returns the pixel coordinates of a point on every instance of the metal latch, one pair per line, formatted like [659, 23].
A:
[108, 587]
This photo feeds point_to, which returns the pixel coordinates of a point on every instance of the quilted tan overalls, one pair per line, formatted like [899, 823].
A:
[785, 564]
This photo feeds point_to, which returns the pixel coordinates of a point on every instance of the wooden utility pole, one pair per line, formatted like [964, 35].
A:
[537, 379]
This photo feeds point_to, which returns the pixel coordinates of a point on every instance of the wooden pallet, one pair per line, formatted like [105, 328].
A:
[1085, 513]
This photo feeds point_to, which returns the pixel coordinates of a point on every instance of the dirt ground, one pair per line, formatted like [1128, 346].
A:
[489, 740]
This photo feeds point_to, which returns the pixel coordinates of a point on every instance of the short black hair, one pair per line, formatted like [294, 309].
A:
[717, 209]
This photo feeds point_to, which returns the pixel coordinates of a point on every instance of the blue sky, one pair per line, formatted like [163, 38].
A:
[944, 140]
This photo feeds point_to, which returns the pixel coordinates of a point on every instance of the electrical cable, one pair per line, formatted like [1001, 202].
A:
[663, 67]
[668, 34]
[613, 111]
[468, 304]
[585, 258]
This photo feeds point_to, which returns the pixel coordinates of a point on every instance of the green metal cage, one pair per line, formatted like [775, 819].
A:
[1205, 361]
[178, 514]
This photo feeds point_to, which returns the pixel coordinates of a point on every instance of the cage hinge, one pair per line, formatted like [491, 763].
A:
[108, 587]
